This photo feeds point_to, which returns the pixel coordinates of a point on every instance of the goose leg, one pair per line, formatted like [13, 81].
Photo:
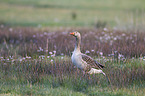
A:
[108, 80]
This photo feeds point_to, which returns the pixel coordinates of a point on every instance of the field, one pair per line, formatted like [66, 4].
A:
[35, 47]
[61, 13]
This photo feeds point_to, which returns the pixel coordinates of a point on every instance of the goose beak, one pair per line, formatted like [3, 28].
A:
[72, 33]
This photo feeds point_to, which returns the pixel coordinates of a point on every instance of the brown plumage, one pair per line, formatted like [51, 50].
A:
[91, 62]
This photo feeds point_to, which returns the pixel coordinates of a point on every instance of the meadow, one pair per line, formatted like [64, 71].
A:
[37, 62]
[35, 47]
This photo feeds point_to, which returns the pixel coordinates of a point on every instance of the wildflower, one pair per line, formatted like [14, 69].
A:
[45, 33]
[103, 57]
[61, 54]
[54, 51]
[123, 34]
[131, 37]
[101, 38]
[92, 50]
[28, 57]
[8, 59]
[51, 60]
[48, 56]
[1, 57]
[20, 60]
[62, 57]
[41, 57]
[105, 29]
[115, 38]
[40, 49]
[101, 53]
[103, 32]
[120, 56]
[87, 51]
[132, 57]
[141, 58]
[50, 53]
[53, 55]
[109, 55]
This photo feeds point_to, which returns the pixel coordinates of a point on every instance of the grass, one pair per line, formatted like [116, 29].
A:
[43, 77]
[59, 13]
[37, 61]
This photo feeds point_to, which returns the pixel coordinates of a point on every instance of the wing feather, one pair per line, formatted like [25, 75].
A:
[90, 61]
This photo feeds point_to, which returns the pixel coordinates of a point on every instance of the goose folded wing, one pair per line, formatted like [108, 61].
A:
[90, 61]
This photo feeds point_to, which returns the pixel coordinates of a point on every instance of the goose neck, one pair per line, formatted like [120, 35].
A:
[78, 42]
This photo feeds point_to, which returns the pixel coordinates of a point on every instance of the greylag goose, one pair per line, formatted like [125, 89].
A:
[83, 61]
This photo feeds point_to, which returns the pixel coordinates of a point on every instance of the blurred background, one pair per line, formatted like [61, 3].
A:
[94, 13]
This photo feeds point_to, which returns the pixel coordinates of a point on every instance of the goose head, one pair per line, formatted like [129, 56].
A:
[76, 34]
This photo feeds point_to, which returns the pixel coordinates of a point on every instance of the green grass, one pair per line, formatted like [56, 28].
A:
[27, 78]
[59, 13]
[46, 89]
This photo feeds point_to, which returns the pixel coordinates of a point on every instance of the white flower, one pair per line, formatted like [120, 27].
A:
[105, 29]
[132, 57]
[87, 51]
[20, 60]
[42, 56]
[45, 33]
[123, 34]
[1, 57]
[92, 50]
[28, 57]
[51, 60]
[53, 55]
[61, 54]
[50, 53]
[115, 38]
[100, 38]
[101, 53]
[54, 51]
[40, 49]
[120, 56]
[62, 57]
